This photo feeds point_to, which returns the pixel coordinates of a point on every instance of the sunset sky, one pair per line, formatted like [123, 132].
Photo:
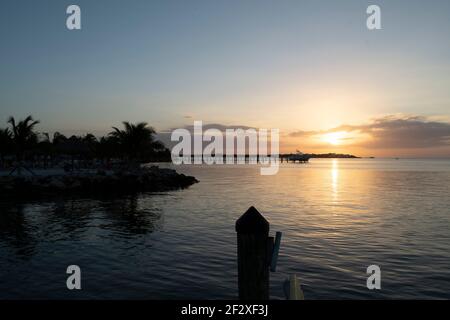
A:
[310, 68]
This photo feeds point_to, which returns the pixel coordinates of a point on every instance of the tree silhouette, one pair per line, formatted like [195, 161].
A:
[45, 148]
[5, 144]
[23, 138]
[23, 135]
[134, 141]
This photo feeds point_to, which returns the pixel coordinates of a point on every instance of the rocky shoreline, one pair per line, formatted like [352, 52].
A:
[99, 183]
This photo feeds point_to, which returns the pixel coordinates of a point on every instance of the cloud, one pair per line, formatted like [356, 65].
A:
[395, 131]
[164, 136]
[301, 134]
[217, 126]
[392, 132]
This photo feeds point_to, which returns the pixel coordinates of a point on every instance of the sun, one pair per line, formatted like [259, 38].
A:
[334, 138]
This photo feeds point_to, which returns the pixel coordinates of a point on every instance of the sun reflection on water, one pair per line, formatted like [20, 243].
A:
[335, 178]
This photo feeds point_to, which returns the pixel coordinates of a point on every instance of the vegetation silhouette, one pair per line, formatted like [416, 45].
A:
[22, 147]
[23, 138]
[135, 140]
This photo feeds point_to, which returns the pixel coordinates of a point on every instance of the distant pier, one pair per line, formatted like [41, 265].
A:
[253, 159]
[293, 158]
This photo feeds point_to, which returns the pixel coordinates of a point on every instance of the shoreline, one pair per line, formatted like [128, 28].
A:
[92, 182]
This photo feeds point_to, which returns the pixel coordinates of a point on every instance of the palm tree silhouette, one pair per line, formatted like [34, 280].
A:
[106, 149]
[23, 138]
[135, 143]
[134, 140]
[5, 144]
[45, 148]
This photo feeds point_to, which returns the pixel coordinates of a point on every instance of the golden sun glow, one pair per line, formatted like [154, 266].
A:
[334, 138]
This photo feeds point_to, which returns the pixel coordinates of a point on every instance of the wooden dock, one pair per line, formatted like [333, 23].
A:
[245, 159]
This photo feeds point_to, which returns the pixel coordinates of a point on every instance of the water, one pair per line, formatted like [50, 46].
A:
[337, 218]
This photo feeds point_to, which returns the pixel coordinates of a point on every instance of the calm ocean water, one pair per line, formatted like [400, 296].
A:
[337, 218]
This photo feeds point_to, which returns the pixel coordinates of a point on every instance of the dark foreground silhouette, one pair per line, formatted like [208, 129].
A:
[98, 183]
[33, 165]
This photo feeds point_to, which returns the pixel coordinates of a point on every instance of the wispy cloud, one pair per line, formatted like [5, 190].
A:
[378, 136]
[394, 131]
[164, 136]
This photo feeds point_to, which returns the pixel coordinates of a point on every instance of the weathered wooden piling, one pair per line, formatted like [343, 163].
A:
[254, 252]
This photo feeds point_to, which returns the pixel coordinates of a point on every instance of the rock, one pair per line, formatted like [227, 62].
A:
[151, 179]
[56, 182]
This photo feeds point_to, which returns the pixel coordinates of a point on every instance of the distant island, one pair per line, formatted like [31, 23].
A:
[332, 155]
[304, 157]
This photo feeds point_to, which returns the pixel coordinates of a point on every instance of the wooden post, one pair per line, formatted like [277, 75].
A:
[253, 256]
[274, 252]
[292, 288]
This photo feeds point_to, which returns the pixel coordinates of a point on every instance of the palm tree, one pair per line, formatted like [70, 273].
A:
[45, 148]
[5, 144]
[89, 138]
[107, 148]
[23, 137]
[73, 146]
[58, 138]
[90, 144]
[159, 152]
[134, 140]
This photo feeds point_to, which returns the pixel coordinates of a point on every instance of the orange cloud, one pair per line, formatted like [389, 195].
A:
[404, 134]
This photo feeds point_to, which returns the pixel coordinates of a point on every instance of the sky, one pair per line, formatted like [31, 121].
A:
[309, 68]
